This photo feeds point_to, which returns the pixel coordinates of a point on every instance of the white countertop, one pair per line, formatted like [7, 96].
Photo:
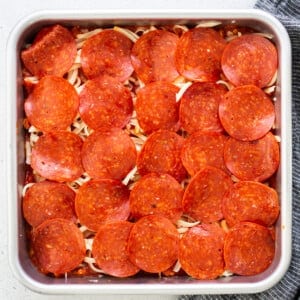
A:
[11, 12]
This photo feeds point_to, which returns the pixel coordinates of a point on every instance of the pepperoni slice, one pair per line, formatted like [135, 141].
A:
[250, 59]
[153, 56]
[105, 102]
[201, 251]
[199, 107]
[203, 196]
[255, 160]
[203, 149]
[249, 249]
[48, 200]
[161, 154]
[108, 154]
[198, 54]
[52, 53]
[251, 201]
[156, 107]
[107, 52]
[156, 194]
[55, 156]
[52, 105]
[110, 249]
[58, 246]
[246, 113]
[100, 201]
[153, 244]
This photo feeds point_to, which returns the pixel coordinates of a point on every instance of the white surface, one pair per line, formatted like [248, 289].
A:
[10, 13]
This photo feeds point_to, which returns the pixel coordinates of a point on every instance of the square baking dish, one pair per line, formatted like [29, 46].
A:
[19, 260]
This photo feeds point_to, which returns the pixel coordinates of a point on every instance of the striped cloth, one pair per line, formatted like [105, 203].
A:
[288, 12]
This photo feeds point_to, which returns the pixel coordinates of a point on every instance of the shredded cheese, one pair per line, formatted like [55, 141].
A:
[128, 33]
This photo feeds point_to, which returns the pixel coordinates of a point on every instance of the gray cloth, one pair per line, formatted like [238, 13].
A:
[288, 12]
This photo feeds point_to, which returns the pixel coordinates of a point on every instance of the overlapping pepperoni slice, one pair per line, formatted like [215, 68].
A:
[198, 54]
[201, 251]
[110, 249]
[52, 53]
[48, 200]
[153, 244]
[100, 201]
[246, 113]
[153, 56]
[156, 194]
[55, 156]
[250, 59]
[156, 107]
[249, 249]
[107, 53]
[105, 103]
[203, 196]
[58, 246]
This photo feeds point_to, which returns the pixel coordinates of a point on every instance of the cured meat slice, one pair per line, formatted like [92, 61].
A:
[156, 194]
[161, 154]
[203, 196]
[107, 53]
[101, 201]
[198, 54]
[246, 113]
[52, 53]
[156, 107]
[58, 246]
[108, 154]
[153, 244]
[52, 105]
[55, 156]
[199, 107]
[105, 103]
[110, 249]
[251, 201]
[249, 249]
[201, 251]
[255, 160]
[48, 200]
[250, 59]
[203, 149]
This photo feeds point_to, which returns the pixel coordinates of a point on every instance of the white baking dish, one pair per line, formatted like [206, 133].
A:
[19, 259]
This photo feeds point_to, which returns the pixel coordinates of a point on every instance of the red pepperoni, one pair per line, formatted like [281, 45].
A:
[108, 154]
[52, 105]
[255, 161]
[110, 249]
[156, 194]
[153, 244]
[198, 54]
[246, 113]
[105, 102]
[250, 59]
[56, 156]
[199, 107]
[58, 246]
[161, 154]
[156, 107]
[48, 200]
[100, 201]
[251, 201]
[203, 196]
[249, 249]
[153, 56]
[201, 251]
[107, 52]
[203, 149]
[52, 53]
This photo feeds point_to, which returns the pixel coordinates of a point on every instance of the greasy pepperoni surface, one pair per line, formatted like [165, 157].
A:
[52, 105]
[246, 113]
